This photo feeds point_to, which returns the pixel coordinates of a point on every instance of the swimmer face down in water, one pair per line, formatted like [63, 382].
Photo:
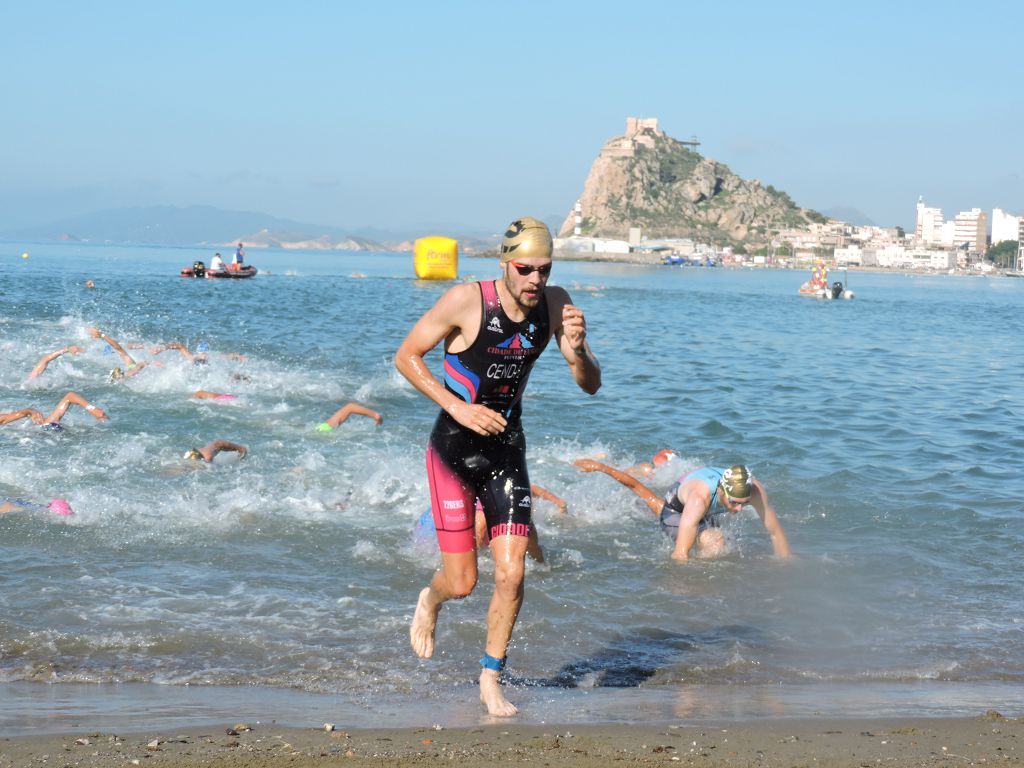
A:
[131, 367]
[208, 451]
[341, 415]
[59, 507]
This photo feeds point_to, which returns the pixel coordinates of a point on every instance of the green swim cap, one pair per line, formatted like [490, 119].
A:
[323, 426]
[736, 481]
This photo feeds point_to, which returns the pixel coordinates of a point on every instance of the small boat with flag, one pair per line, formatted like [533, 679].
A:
[818, 286]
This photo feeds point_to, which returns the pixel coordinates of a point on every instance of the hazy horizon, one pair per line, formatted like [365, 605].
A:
[401, 114]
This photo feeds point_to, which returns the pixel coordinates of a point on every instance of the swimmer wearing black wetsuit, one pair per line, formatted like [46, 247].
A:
[492, 334]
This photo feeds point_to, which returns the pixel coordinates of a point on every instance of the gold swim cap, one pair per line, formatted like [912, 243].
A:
[526, 237]
[116, 373]
[193, 454]
[736, 481]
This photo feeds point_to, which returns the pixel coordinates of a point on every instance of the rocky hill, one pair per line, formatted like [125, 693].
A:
[649, 180]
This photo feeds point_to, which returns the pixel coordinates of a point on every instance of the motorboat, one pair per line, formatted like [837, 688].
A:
[230, 272]
[818, 286]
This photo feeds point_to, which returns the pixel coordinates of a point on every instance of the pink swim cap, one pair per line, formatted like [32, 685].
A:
[61, 507]
[225, 397]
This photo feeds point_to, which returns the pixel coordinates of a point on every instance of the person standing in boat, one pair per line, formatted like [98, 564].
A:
[239, 260]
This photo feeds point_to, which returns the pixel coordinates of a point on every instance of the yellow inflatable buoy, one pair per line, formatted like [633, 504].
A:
[436, 258]
[24, 255]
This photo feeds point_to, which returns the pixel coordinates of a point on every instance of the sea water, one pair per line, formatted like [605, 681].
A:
[887, 431]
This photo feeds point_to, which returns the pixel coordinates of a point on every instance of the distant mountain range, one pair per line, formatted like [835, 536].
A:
[210, 226]
[850, 216]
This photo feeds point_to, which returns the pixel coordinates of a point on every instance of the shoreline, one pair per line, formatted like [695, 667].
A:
[653, 260]
[828, 742]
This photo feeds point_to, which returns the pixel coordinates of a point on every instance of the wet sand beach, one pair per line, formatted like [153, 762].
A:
[987, 738]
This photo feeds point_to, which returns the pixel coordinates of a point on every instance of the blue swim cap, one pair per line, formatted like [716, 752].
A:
[202, 346]
[52, 426]
[108, 350]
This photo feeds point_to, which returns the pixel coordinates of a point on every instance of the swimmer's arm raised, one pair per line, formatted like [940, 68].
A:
[217, 446]
[341, 415]
[649, 497]
[446, 320]
[570, 330]
[12, 416]
[759, 501]
[45, 360]
[96, 333]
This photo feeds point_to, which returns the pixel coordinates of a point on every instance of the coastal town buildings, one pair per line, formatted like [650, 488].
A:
[971, 231]
[1020, 245]
[1004, 226]
[929, 224]
[934, 245]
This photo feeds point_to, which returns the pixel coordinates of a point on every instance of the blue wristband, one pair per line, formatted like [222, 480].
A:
[489, 662]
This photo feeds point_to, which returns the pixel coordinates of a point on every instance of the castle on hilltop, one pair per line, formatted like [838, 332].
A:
[640, 131]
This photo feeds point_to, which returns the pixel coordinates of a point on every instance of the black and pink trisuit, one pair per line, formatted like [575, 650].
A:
[463, 465]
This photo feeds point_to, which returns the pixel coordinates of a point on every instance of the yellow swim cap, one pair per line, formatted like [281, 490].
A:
[193, 454]
[526, 237]
[116, 373]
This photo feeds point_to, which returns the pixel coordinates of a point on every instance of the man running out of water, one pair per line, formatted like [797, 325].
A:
[53, 420]
[493, 332]
[692, 509]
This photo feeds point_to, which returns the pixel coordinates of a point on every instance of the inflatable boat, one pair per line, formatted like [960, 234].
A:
[198, 269]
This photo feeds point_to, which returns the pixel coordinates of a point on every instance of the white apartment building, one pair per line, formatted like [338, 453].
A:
[850, 255]
[898, 257]
[929, 223]
[948, 234]
[1020, 245]
[1004, 226]
[971, 230]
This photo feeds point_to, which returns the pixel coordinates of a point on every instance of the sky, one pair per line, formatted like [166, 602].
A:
[407, 114]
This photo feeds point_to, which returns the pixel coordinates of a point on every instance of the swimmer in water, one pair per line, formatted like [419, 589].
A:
[341, 416]
[131, 367]
[53, 420]
[208, 451]
[45, 360]
[196, 358]
[493, 332]
[691, 510]
[58, 507]
[203, 394]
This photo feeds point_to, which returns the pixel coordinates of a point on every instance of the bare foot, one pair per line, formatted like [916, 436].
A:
[421, 631]
[492, 697]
